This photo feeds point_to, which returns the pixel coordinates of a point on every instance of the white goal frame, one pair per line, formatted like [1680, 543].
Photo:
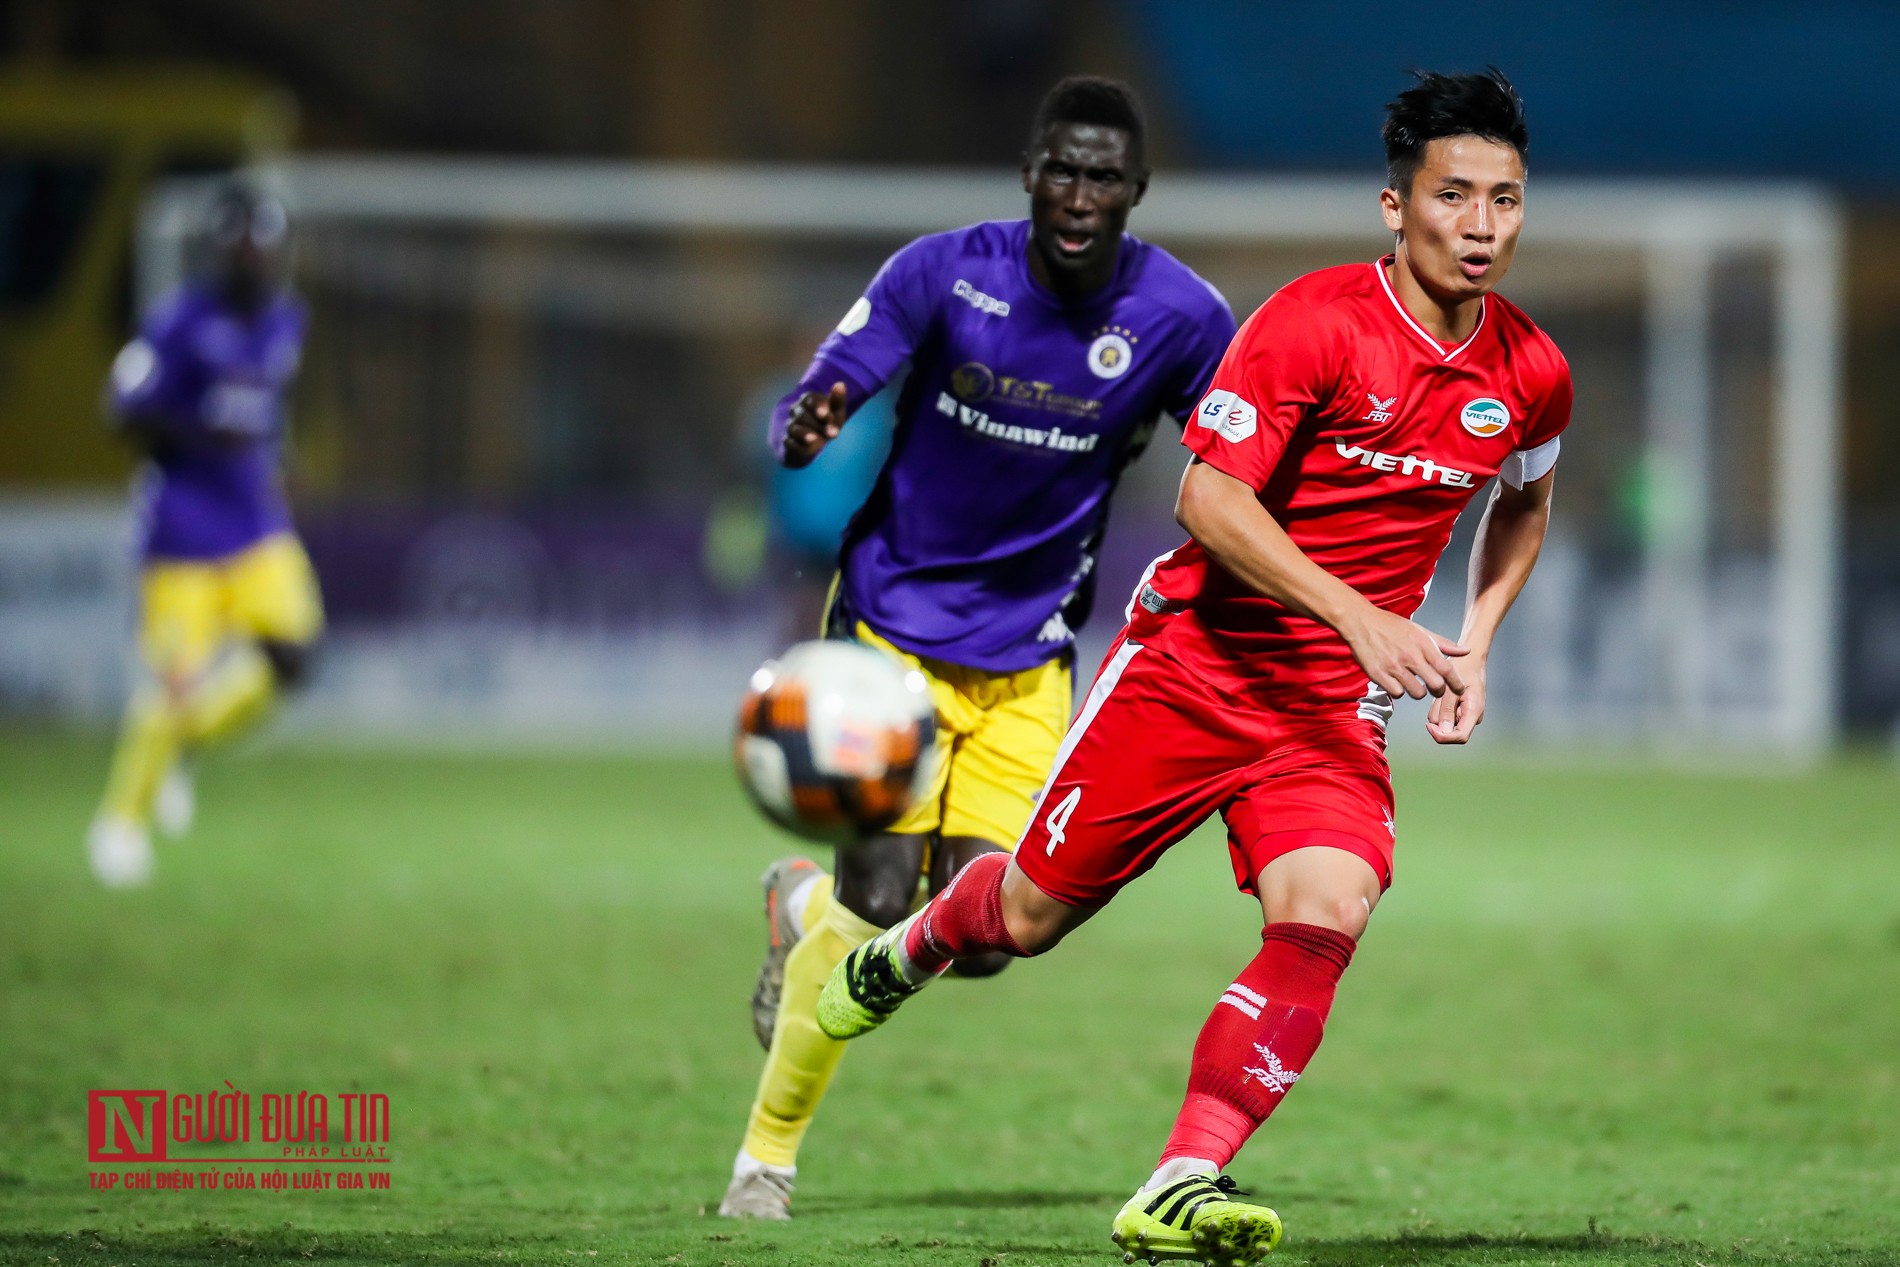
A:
[1678, 228]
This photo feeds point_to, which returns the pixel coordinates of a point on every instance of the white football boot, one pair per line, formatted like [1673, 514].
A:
[758, 1190]
[120, 853]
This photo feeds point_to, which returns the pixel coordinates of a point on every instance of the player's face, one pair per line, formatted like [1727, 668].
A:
[1083, 180]
[1461, 222]
[251, 254]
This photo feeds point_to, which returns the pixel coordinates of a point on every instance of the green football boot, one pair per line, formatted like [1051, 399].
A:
[866, 987]
[1195, 1218]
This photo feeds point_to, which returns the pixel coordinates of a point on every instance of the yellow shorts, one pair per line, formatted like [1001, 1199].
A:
[1000, 733]
[190, 607]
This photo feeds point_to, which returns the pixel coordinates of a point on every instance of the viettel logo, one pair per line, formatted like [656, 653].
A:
[1485, 416]
[125, 1126]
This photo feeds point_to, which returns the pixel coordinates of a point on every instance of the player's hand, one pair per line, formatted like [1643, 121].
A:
[1454, 716]
[1402, 657]
[814, 423]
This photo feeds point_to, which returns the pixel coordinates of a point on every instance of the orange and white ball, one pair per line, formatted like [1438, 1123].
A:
[836, 740]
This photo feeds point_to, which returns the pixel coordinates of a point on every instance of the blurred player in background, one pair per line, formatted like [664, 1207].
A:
[1356, 414]
[229, 609]
[1042, 354]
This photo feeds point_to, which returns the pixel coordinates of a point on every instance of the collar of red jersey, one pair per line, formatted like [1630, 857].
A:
[1444, 350]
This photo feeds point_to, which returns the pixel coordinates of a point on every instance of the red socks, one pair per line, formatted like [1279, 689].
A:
[1258, 1039]
[965, 919]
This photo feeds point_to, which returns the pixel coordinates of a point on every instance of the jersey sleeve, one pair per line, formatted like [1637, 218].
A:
[150, 377]
[877, 335]
[1274, 373]
[1542, 440]
[888, 322]
[1206, 345]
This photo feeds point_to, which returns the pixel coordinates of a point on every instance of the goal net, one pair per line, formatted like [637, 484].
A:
[531, 459]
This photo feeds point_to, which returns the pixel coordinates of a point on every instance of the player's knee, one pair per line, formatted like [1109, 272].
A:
[289, 662]
[1346, 914]
[981, 965]
[1351, 915]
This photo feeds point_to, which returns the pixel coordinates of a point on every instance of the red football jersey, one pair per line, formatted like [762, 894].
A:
[1365, 437]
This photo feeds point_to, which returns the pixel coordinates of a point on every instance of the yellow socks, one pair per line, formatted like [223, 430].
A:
[148, 744]
[803, 1058]
[232, 695]
[812, 917]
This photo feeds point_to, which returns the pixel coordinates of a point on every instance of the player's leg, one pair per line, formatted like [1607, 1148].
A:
[951, 856]
[876, 883]
[1138, 770]
[275, 617]
[1001, 767]
[1267, 1024]
[878, 877]
[179, 615]
[1318, 883]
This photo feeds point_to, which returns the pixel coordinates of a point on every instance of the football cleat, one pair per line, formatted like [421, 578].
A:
[120, 853]
[866, 987]
[758, 1194]
[1195, 1218]
[780, 880]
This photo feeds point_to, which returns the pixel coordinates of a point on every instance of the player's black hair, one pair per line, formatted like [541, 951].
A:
[1482, 104]
[1096, 99]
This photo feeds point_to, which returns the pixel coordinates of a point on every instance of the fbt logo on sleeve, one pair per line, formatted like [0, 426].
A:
[1227, 415]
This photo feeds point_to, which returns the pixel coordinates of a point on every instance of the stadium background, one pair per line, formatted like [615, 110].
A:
[529, 467]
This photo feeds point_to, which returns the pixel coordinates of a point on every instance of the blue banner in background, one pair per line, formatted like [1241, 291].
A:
[1763, 89]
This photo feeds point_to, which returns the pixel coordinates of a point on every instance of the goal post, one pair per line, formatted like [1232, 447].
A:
[1691, 601]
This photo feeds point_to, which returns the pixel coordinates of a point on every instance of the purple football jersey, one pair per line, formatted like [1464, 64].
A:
[209, 383]
[977, 545]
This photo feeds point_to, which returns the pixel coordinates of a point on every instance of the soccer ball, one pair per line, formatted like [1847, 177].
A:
[836, 740]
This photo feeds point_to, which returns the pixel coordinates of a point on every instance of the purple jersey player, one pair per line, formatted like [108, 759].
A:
[1041, 354]
[228, 605]
[203, 389]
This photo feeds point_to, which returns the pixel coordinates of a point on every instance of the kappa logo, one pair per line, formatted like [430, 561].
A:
[1381, 410]
[1227, 415]
[1485, 416]
[980, 301]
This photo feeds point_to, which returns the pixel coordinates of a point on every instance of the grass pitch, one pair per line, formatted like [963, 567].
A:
[1633, 1018]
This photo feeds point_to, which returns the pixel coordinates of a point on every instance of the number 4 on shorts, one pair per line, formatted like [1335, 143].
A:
[1058, 821]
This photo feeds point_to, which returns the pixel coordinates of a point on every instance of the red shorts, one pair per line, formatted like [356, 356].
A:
[1155, 751]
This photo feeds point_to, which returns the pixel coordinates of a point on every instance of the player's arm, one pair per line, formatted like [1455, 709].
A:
[1225, 516]
[1509, 538]
[138, 394]
[876, 337]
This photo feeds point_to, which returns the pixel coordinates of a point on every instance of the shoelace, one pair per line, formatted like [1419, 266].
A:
[1227, 1185]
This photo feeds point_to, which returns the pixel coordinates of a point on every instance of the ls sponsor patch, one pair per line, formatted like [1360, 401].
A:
[1227, 415]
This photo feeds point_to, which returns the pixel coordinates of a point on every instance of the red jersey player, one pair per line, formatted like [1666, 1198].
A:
[1354, 416]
